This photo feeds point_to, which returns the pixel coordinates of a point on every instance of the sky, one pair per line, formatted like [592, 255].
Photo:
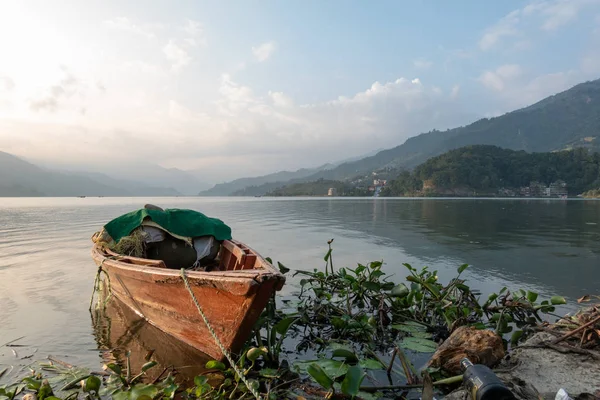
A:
[242, 88]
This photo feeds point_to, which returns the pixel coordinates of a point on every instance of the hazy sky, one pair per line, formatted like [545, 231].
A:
[249, 87]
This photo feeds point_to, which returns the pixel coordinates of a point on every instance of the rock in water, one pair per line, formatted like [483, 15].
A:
[481, 346]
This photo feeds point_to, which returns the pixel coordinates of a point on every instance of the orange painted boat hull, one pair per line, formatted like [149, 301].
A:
[232, 297]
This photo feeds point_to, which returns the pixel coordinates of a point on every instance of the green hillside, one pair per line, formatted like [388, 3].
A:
[486, 169]
[318, 188]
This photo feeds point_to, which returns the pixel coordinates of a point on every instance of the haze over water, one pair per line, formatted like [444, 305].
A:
[46, 271]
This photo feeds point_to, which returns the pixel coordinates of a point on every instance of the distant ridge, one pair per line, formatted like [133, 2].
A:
[19, 178]
[566, 120]
[229, 188]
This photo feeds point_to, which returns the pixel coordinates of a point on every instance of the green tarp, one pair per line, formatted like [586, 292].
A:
[181, 222]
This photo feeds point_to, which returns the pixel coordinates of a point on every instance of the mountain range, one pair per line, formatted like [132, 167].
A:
[570, 119]
[265, 183]
[240, 185]
[19, 178]
[566, 120]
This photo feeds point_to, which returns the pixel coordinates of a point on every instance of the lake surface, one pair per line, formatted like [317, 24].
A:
[47, 274]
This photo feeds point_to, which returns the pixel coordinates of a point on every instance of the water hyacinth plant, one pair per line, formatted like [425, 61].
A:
[349, 333]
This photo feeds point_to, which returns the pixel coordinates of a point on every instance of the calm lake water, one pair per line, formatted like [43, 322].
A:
[46, 272]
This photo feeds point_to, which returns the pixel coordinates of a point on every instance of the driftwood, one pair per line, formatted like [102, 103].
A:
[573, 332]
[562, 349]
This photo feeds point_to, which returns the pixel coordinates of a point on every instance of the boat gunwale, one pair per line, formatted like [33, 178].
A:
[258, 275]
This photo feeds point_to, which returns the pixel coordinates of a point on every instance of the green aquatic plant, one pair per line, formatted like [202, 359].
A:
[340, 334]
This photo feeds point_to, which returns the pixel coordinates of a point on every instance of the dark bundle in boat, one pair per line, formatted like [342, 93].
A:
[142, 253]
[157, 234]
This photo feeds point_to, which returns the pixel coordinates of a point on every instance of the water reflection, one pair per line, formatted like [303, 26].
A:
[117, 329]
[554, 245]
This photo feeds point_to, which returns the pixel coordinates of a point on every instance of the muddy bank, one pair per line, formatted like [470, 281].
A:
[539, 368]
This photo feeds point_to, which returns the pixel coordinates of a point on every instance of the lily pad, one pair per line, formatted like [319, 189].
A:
[369, 363]
[410, 328]
[344, 351]
[352, 381]
[424, 335]
[319, 375]
[333, 368]
[419, 345]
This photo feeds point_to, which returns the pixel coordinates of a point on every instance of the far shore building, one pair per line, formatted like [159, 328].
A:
[537, 189]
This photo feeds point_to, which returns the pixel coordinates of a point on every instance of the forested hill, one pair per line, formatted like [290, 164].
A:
[566, 120]
[320, 187]
[569, 119]
[486, 169]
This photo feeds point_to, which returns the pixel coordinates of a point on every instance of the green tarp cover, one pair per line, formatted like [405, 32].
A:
[181, 222]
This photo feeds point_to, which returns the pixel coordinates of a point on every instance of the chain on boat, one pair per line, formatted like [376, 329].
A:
[214, 335]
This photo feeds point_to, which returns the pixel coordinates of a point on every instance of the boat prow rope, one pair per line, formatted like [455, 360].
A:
[97, 284]
[239, 373]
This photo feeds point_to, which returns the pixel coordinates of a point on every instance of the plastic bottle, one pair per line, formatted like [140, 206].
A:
[482, 382]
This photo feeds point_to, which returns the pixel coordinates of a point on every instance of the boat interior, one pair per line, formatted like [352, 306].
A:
[233, 256]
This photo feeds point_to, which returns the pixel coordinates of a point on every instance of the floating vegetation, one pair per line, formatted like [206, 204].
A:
[348, 333]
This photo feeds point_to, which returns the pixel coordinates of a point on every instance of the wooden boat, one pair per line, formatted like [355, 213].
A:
[232, 295]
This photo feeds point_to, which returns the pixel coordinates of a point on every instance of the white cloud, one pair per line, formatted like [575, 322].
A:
[491, 80]
[263, 51]
[126, 25]
[385, 113]
[180, 113]
[6, 84]
[543, 86]
[590, 64]
[548, 15]
[234, 92]
[268, 130]
[455, 91]
[515, 88]
[509, 71]
[280, 99]
[422, 64]
[559, 13]
[503, 75]
[66, 88]
[195, 33]
[176, 55]
[193, 28]
[507, 26]
[131, 98]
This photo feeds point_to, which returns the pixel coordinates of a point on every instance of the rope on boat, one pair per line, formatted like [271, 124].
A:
[239, 373]
[97, 284]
